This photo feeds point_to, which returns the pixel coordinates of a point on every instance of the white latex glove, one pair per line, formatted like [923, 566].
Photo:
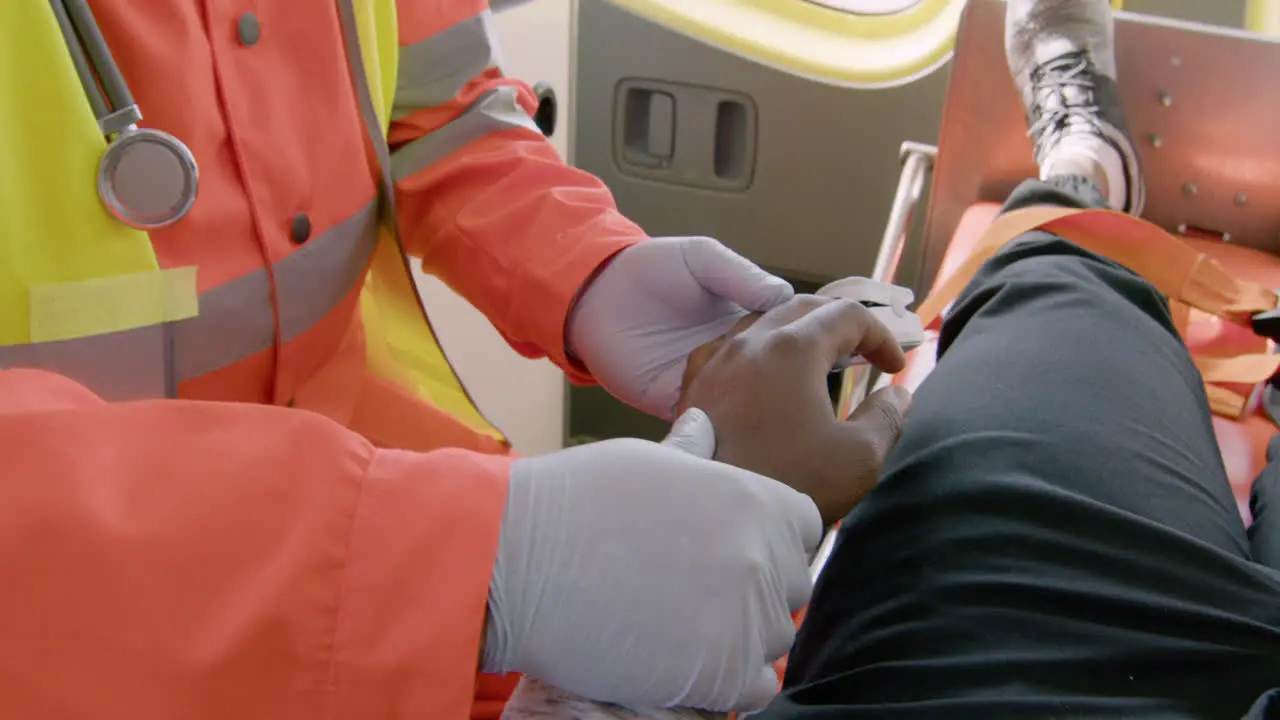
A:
[656, 302]
[649, 576]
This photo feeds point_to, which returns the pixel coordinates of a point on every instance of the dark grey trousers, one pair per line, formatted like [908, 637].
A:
[1054, 535]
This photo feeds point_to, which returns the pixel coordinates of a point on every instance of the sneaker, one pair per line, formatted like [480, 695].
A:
[1062, 57]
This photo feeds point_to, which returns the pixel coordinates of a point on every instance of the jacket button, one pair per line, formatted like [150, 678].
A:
[248, 29]
[300, 228]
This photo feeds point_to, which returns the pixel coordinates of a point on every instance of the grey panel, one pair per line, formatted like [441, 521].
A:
[1227, 13]
[812, 203]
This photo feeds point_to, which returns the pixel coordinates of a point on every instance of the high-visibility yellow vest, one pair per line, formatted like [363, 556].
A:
[83, 294]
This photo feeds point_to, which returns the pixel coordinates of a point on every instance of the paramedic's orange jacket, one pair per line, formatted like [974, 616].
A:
[222, 556]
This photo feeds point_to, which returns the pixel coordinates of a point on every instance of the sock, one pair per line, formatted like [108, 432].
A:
[1092, 157]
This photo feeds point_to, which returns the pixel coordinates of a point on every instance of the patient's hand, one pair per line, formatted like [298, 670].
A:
[764, 387]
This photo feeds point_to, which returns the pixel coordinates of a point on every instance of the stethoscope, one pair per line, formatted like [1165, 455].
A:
[146, 178]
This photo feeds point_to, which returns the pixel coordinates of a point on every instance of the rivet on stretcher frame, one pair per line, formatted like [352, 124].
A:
[1156, 140]
[1190, 188]
[1241, 199]
[1166, 99]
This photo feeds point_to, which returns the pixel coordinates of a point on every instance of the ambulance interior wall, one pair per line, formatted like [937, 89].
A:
[527, 398]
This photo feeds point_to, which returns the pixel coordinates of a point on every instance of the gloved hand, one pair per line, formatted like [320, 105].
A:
[649, 576]
[656, 302]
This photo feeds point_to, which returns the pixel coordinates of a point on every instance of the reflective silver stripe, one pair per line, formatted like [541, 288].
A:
[128, 365]
[235, 321]
[496, 110]
[432, 71]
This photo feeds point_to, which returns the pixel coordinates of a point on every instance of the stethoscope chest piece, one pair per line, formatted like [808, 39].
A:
[147, 178]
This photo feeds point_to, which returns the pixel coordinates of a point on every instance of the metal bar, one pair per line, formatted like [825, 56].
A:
[917, 161]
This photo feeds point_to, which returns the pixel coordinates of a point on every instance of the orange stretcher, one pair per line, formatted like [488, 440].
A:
[1210, 236]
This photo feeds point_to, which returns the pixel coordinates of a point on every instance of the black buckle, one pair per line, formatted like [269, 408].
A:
[1267, 325]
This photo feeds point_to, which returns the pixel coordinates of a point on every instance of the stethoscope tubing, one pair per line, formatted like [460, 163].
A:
[84, 69]
[113, 83]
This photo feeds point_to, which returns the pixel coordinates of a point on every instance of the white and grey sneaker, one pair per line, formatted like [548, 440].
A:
[1062, 57]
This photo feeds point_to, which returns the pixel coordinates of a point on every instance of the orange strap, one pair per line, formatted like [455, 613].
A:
[1188, 277]
[1227, 403]
[1246, 370]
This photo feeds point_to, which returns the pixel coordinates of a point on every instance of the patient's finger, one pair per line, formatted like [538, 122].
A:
[841, 328]
[878, 420]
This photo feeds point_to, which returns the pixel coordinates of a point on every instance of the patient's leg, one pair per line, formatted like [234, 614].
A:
[1054, 535]
[1264, 533]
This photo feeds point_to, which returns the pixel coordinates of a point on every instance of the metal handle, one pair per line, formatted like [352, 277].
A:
[917, 161]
